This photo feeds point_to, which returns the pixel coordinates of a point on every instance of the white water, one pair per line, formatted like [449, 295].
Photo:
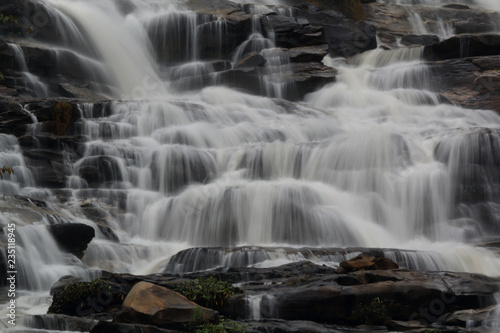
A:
[33, 82]
[355, 164]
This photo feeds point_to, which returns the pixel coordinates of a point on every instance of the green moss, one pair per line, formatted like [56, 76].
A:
[62, 113]
[209, 292]
[83, 298]
[374, 313]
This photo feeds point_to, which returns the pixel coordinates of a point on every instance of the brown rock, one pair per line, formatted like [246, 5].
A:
[352, 9]
[362, 262]
[148, 303]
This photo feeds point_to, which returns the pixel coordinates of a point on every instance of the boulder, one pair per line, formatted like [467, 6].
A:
[348, 38]
[72, 237]
[362, 262]
[148, 303]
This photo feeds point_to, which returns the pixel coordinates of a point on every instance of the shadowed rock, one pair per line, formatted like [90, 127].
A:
[72, 237]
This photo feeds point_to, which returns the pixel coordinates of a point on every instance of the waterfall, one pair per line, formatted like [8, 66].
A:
[193, 179]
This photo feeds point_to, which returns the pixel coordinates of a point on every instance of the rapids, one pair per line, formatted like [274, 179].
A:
[373, 160]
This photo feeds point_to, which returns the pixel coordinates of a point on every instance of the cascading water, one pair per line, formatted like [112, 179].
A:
[373, 160]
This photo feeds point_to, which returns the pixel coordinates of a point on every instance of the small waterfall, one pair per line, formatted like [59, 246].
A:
[214, 177]
[127, 56]
[260, 307]
[34, 83]
[276, 65]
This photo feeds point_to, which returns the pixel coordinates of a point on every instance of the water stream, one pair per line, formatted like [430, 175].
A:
[373, 160]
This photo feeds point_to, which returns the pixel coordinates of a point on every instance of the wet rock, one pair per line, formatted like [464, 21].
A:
[107, 327]
[213, 7]
[464, 46]
[470, 82]
[72, 237]
[289, 33]
[251, 60]
[362, 262]
[13, 118]
[179, 166]
[464, 318]
[352, 9]
[219, 38]
[96, 170]
[392, 22]
[62, 283]
[69, 90]
[419, 40]
[474, 161]
[54, 322]
[308, 53]
[281, 326]
[456, 6]
[348, 38]
[148, 303]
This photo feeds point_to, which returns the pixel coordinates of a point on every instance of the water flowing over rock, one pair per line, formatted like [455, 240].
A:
[335, 161]
[73, 238]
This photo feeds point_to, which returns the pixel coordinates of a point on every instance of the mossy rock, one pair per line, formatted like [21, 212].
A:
[352, 9]
[84, 298]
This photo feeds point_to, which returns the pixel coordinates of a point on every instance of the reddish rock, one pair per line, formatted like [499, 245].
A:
[148, 303]
[362, 262]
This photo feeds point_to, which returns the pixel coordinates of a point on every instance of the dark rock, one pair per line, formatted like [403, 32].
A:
[251, 60]
[213, 7]
[346, 39]
[72, 237]
[390, 20]
[352, 9]
[463, 318]
[289, 33]
[282, 326]
[13, 118]
[54, 322]
[218, 39]
[470, 82]
[362, 262]
[99, 169]
[62, 283]
[456, 6]
[47, 166]
[419, 40]
[308, 53]
[107, 327]
[68, 90]
[180, 166]
[474, 161]
[464, 46]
